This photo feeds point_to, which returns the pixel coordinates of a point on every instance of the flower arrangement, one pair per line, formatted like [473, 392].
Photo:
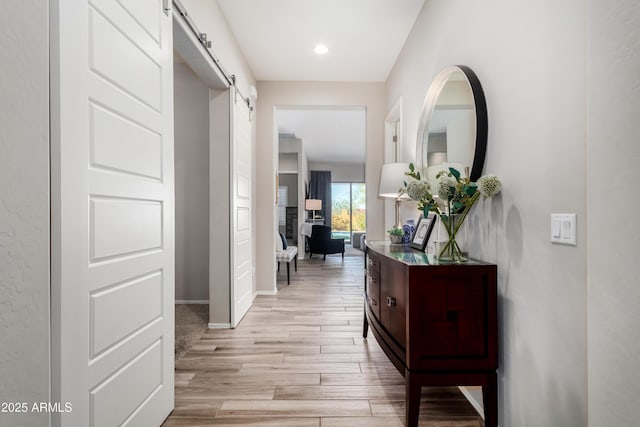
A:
[451, 201]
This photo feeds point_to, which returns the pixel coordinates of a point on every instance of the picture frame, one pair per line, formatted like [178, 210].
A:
[423, 232]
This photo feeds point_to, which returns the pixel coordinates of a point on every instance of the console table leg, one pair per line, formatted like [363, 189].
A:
[490, 400]
[412, 392]
[365, 325]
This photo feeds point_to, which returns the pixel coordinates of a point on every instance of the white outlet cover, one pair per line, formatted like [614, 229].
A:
[563, 229]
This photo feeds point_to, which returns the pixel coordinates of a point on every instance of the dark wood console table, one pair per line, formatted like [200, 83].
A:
[436, 323]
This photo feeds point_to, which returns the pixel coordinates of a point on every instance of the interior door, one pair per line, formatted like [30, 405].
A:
[242, 244]
[112, 212]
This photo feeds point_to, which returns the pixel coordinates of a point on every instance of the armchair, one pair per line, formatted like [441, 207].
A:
[321, 242]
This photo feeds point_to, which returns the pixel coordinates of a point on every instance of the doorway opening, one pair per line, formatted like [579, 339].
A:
[191, 168]
[321, 152]
[210, 119]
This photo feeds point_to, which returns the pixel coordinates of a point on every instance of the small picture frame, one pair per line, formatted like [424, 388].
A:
[423, 232]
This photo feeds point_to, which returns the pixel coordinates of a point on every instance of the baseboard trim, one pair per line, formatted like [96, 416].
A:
[472, 399]
[219, 325]
[267, 293]
[192, 301]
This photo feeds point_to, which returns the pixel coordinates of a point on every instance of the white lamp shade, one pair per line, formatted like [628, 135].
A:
[313, 204]
[392, 178]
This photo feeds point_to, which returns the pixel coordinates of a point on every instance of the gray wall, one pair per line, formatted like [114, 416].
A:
[191, 124]
[530, 59]
[290, 180]
[341, 172]
[24, 208]
[613, 153]
[288, 162]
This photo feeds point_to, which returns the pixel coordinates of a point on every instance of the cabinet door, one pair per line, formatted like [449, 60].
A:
[393, 300]
[372, 284]
[453, 326]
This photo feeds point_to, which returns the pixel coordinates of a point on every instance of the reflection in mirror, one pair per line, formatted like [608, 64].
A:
[452, 131]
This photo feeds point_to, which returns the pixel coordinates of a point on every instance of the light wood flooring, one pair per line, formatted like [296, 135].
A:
[299, 359]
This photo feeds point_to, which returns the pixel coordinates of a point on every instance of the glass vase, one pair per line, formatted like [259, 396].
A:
[451, 252]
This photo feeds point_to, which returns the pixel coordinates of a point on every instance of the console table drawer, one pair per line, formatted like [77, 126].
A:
[452, 328]
[393, 299]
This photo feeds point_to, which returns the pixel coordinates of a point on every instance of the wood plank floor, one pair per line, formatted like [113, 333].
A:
[299, 359]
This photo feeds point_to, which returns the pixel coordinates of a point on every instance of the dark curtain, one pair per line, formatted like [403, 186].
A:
[320, 188]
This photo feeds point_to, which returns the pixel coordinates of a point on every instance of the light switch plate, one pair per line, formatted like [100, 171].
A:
[563, 229]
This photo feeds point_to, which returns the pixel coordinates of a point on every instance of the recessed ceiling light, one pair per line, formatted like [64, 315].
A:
[321, 49]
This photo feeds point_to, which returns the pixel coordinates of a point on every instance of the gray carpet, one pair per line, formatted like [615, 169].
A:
[191, 323]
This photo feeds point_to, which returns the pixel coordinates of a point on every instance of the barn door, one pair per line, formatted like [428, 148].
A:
[112, 212]
[242, 244]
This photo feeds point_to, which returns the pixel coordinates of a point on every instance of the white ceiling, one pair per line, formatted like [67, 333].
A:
[364, 37]
[277, 37]
[331, 134]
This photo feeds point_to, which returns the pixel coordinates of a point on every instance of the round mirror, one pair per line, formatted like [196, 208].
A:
[453, 125]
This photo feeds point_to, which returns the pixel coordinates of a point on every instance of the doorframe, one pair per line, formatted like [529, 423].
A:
[392, 152]
[303, 167]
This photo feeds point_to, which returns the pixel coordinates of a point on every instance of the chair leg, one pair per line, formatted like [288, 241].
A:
[288, 280]
[295, 262]
[324, 257]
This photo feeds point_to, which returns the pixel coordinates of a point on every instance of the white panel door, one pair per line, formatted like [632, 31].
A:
[112, 212]
[242, 244]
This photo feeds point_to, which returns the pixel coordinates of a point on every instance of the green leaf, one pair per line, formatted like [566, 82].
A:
[418, 176]
[411, 167]
[455, 173]
[470, 189]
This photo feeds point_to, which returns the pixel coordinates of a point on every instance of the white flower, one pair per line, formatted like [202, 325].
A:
[489, 185]
[418, 190]
[446, 186]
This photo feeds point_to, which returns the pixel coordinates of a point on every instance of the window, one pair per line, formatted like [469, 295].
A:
[348, 209]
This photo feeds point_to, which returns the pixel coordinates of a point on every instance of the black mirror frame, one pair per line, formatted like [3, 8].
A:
[482, 128]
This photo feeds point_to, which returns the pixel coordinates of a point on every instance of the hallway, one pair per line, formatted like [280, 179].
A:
[299, 359]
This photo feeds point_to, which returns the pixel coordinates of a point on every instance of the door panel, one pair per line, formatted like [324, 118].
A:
[141, 297]
[113, 134]
[112, 212]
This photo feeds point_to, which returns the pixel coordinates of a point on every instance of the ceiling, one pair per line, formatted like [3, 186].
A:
[329, 135]
[278, 37]
[364, 37]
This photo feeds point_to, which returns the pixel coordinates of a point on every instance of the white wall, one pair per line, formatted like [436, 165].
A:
[191, 136]
[209, 19]
[341, 172]
[24, 208]
[274, 94]
[613, 153]
[530, 58]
